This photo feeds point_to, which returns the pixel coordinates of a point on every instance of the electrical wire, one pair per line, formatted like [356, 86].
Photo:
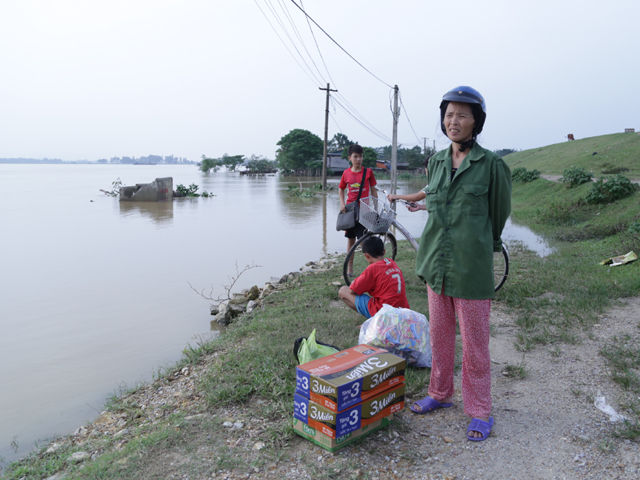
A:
[375, 132]
[284, 43]
[318, 47]
[340, 46]
[300, 39]
[293, 43]
[341, 101]
[408, 120]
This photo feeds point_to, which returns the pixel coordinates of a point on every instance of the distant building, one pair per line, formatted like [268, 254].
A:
[336, 163]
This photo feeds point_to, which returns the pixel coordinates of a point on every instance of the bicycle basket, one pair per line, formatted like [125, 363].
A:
[375, 214]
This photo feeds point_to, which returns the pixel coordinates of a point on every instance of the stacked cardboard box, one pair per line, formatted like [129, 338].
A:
[347, 395]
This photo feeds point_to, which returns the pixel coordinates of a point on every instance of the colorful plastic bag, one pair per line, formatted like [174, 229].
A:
[307, 349]
[400, 331]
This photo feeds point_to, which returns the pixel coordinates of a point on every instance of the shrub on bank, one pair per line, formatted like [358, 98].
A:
[575, 176]
[521, 174]
[610, 189]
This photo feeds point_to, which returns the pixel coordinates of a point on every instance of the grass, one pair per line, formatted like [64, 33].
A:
[615, 153]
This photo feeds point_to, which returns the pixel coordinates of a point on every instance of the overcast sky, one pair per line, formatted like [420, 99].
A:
[83, 79]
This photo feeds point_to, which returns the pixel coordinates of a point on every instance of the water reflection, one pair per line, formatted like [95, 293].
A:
[301, 212]
[159, 212]
[520, 233]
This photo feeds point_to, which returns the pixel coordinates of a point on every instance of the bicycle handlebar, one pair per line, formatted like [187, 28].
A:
[406, 202]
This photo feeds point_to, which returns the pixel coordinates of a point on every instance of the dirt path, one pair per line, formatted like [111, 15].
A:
[546, 424]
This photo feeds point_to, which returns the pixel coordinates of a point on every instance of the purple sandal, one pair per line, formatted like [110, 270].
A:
[481, 426]
[427, 405]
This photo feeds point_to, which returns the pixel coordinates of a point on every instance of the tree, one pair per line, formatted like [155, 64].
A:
[209, 164]
[339, 140]
[227, 161]
[300, 150]
[261, 165]
[231, 162]
[413, 156]
[369, 157]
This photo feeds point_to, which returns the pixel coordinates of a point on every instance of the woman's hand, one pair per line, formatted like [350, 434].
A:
[343, 208]
[392, 197]
[414, 207]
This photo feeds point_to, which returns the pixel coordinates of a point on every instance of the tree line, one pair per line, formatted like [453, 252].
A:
[300, 152]
[169, 159]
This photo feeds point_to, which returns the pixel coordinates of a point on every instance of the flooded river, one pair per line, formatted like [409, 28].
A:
[95, 293]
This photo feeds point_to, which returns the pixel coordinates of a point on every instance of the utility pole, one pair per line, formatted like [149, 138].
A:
[424, 151]
[394, 142]
[326, 133]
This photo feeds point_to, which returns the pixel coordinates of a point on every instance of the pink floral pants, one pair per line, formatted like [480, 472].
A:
[473, 316]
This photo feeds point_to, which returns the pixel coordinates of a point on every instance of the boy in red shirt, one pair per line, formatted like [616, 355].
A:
[382, 280]
[351, 179]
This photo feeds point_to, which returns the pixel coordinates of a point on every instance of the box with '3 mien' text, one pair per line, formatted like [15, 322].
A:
[347, 378]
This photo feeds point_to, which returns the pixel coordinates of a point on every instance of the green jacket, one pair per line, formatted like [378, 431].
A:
[466, 218]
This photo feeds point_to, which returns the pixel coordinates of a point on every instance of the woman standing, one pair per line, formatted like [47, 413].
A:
[469, 200]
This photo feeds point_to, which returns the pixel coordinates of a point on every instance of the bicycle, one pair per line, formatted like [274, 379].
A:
[377, 216]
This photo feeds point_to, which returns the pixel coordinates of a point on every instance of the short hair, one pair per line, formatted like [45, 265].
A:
[355, 148]
[374, 246]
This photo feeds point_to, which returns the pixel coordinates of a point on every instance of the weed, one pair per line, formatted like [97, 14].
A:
[519, 370]
[115, 188]
[576, 392]
[629, 429]
[555, 352]
[606, 446]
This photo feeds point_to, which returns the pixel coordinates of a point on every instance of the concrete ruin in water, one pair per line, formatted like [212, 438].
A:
[160, 190]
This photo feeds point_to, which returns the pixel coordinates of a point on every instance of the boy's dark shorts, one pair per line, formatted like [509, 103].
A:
[355, 232]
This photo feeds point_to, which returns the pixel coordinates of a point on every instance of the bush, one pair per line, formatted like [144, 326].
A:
[575, 176]
[521, 174]
[610, 189]
[189, 191]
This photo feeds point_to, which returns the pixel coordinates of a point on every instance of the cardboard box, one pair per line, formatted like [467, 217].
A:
[349, 377]
[338, 424]
[335, 444]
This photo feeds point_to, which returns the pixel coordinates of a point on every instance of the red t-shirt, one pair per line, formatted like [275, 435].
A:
[352, 181]
[384, 282]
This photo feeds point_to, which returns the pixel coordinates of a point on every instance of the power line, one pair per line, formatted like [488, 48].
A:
[295, 29]
[408, 120]
[340, 46]
[275, 14]
[372, 130]
[284, 43]
[318, 46]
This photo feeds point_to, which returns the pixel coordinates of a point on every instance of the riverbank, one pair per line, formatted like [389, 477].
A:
[225, 410]
[180, 426]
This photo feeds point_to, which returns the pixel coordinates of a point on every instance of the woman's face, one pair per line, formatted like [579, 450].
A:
[459, 122]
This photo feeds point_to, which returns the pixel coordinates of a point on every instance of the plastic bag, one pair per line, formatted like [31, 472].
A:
[601, 404]
[307, 349]
[400, 331]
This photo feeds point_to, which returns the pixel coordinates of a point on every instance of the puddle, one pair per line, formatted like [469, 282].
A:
[519, 233]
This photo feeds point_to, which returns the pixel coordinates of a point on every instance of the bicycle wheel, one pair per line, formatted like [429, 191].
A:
[359, 262]
[500, 267]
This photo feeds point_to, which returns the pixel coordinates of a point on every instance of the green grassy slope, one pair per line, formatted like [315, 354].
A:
[618, 150]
